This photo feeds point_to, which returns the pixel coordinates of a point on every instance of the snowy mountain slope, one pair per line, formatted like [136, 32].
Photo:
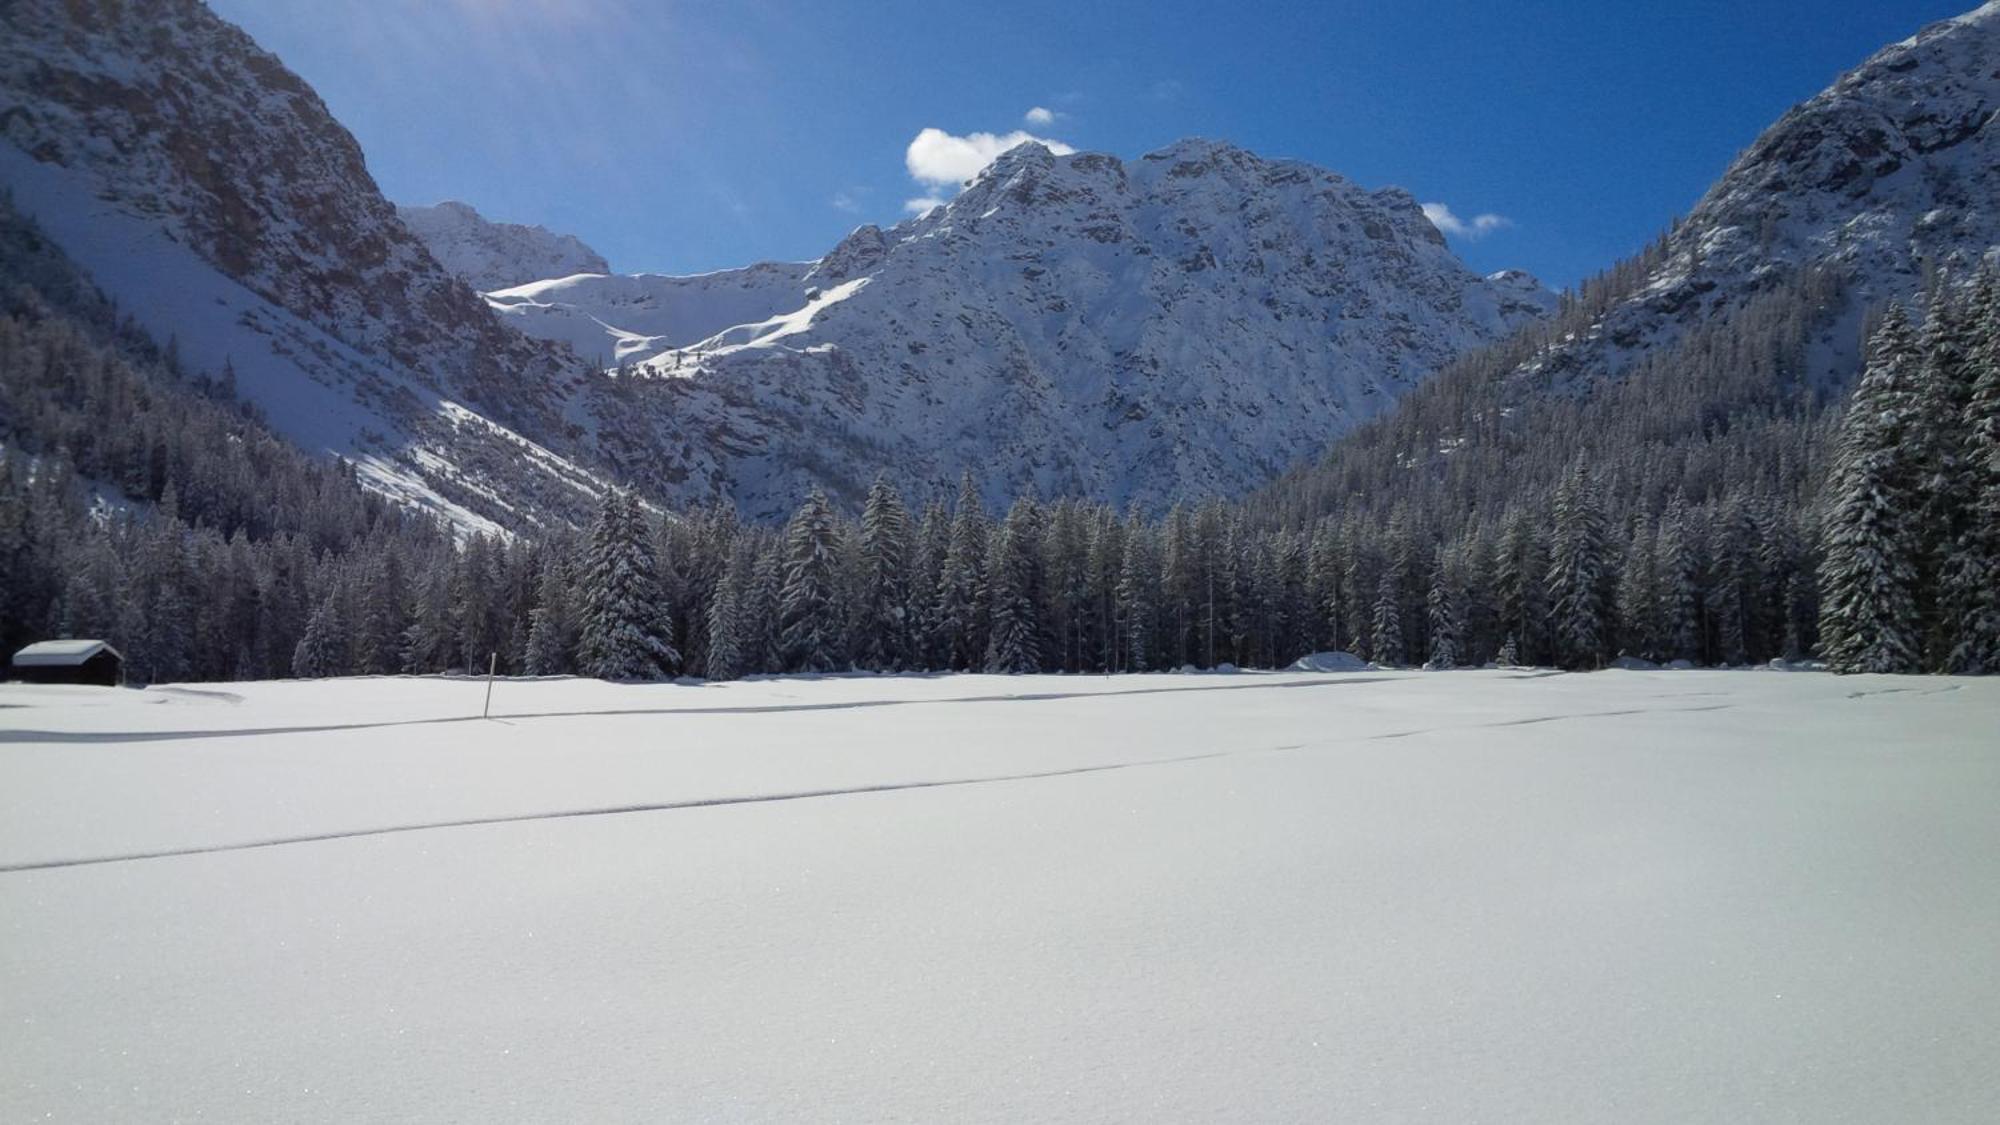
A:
[1887, 176]
[1187, 324]
[624, 319]
[1184, 326]
[207, 191]
[490, 255]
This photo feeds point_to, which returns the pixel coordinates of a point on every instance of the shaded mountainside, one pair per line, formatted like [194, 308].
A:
[1887, 178]
[1751, 308]
[1186, 324]
[490, 255]
[207, 190]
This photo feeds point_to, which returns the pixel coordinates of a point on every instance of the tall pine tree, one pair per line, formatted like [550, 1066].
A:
[625, 630]
[1868, 614]
[810, 605]
[882, 627]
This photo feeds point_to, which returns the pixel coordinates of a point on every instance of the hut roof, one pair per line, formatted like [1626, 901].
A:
[57, 654]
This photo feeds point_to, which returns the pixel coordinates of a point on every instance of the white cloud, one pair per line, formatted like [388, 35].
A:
[922, 205]
[844, 202]
[1477, 227]
[1040, 115]
[940, 159]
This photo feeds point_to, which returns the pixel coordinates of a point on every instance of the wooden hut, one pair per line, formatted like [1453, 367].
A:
[70, 662]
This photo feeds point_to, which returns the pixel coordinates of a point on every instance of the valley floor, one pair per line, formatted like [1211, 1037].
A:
[1503, 896]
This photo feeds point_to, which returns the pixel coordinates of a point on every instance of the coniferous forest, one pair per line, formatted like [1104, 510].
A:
[1706, 507]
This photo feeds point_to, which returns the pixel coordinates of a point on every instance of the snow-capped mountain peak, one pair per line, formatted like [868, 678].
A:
[490, 255]
[1184, 324]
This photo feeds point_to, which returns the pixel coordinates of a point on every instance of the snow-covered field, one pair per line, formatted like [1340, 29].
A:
[1497, 896]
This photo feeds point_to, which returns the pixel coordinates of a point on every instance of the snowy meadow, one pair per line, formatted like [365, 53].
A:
[1494, 895]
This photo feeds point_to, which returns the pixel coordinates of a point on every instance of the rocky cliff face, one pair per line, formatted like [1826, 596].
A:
[208, 191]
[489, 255]
[1889, 177]
[1186, 324]
[1180, 325]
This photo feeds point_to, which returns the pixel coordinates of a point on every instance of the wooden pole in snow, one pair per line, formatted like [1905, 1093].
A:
[492, 662]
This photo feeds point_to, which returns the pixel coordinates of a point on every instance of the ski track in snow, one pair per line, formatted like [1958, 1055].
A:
[748, 709]
[769, 798]
[622, 810]
[1489, 895]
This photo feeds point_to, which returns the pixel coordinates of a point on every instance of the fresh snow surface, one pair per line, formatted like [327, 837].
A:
[1378, 896]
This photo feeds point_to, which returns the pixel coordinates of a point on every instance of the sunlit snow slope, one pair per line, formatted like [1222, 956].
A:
[1181, 325]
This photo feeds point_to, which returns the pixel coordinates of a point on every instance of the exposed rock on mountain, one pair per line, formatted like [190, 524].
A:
[1186, 324]
[1708, 362]
[490, 255]
[1887, 177]
[207, 190]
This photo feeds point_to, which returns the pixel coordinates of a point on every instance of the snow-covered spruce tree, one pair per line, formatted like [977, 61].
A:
[1441, 606]
[1578, 563]
[1971, 573]
[1103, 561]
[1676, 574]
[929, 546]
[1323, 574]
[1937, 416]
[169, 637]
[1509, 655]
[1639, 595]
[624, 629]
[1065, 552]
[1735, 580]
[1386, 624]
[321, 652]
[1868, 610]
[729, 650]
[474, 589]
[763, 606]
[1138, 590]
[378, 634]
[1972, 576]
[1293, 623]
[961, 606]
[1177, 597]
[1520, 583]
[552, 625]
[1013, 635]
[882, 634]
[694, 552]
[429, 642]
[810, 605]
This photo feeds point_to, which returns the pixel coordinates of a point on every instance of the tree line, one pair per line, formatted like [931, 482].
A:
[1709, 507]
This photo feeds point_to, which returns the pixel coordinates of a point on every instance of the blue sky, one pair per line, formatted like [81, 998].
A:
[678, 137]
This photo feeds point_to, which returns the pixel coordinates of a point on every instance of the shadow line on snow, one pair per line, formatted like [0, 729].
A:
[70, 737]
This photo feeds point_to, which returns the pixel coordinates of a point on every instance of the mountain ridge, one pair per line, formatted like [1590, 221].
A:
[1885, 176]
[1186, 324]
[494, 255]
[208, 190]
